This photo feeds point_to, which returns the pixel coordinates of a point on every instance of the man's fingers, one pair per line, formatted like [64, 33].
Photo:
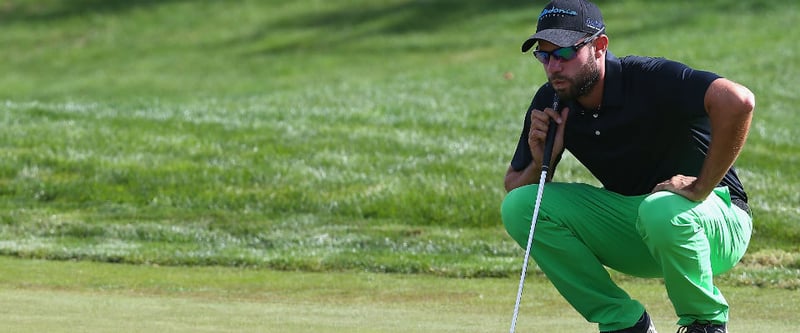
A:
[552, 114]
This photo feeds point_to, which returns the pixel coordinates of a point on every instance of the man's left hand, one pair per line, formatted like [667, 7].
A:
[682, 185]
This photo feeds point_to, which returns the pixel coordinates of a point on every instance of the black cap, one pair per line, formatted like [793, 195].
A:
[565, 22]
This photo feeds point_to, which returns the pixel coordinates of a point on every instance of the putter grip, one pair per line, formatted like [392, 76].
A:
[551, 138]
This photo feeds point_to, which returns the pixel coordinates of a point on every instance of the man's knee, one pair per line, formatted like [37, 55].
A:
[663, 215]
[516, 212]
[518, 205]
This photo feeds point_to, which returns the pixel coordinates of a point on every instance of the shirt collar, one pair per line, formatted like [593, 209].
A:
[612, 93]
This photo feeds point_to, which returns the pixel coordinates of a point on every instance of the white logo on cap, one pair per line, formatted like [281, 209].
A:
[595, 24]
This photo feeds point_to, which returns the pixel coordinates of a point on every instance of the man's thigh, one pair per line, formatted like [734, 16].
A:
[604, 221]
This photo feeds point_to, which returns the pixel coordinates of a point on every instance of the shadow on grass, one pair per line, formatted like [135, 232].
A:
[44, 10]
[348, 24]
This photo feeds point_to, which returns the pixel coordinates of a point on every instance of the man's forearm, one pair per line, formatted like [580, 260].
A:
[730, 108]
[530, 175]
[527, 176]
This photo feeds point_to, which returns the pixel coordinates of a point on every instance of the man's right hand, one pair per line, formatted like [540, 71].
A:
[537, 135]
[540, 122]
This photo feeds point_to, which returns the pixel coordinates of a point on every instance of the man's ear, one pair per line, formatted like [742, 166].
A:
[601, 46]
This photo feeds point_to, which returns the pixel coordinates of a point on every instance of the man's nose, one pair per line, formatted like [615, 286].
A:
[553, 65]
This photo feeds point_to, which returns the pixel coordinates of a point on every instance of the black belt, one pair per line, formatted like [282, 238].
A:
[741, 204]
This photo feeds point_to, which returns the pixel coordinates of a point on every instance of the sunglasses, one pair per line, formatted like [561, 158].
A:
[564, 53]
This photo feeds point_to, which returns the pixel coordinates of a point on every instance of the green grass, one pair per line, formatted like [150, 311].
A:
[48, 296]
[242, 166]
[331, 136]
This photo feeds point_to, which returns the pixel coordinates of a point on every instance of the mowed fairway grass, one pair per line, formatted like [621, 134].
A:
[98, 297]
[330, 166]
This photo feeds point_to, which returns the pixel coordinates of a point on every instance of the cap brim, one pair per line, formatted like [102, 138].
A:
[559, 37]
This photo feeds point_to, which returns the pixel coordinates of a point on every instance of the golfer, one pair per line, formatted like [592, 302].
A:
[661, 138]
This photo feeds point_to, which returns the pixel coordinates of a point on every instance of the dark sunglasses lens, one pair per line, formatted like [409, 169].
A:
[565, 53]
[543, 56]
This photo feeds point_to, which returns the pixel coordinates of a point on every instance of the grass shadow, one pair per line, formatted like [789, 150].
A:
[14, 11]
[344, 25]
[347, 25]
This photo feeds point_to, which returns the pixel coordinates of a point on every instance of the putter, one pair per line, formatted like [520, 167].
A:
[548, 150]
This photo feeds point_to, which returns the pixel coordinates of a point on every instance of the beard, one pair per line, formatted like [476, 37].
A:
[581, 84]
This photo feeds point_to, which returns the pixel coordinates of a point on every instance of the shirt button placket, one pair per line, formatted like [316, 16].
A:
[596, 132]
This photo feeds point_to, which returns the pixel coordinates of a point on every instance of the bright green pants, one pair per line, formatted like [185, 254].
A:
[582, 229]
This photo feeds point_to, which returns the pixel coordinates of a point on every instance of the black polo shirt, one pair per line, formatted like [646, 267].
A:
[651, 126]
